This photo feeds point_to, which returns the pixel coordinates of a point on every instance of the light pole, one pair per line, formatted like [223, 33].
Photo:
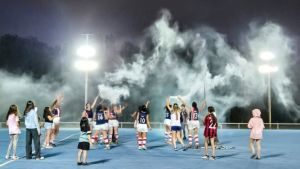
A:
[268, 69]
[85, 63]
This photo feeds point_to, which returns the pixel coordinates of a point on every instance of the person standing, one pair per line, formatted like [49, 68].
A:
[13, 123]
[210, 133]
[33, 131]
[257, 126]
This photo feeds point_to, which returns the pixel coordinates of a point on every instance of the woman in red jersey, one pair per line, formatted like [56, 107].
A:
[210, 132]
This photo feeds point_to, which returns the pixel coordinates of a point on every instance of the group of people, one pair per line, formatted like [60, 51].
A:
[102, 126]
[33, 125]
[97, 127]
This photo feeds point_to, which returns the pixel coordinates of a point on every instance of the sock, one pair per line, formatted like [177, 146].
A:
[196, 138]
[190, 140]
[144, 142]
[140, 141]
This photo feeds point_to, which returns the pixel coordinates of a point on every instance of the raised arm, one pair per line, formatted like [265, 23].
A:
[147, 103]
[183, 102]
[168, 103]
[148, 122]
[203, 105]
[94, 103]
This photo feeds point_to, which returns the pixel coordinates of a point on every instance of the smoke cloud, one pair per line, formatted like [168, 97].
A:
[200, 62]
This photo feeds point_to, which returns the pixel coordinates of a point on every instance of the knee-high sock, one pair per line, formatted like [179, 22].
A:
[190, 139]
[144, 141]
[117, 136]
[196, 138]
[140, 141]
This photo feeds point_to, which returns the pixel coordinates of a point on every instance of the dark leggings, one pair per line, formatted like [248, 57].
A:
[32, 134]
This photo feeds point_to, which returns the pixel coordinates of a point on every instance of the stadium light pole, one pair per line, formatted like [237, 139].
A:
[268, 69]
[86, 63]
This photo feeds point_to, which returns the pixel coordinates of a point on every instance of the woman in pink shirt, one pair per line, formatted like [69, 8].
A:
[13, 123]
[256, 125]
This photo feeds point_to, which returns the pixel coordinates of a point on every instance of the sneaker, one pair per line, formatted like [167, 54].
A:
[175, 149]
[212, 158]
[197, 146]
[140, 147]
[15, 157]
[41, 158]
[253, 156]
[205, 157]
[257, 158]
[48, 147]
[184, 148]
[144, 148]
[53, 144]
[107, 147]
[79, 163]
[6, 157]
[85, 163]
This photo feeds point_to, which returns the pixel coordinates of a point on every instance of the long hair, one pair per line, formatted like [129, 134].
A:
[53, 105]
[211, 111]
[99, 108]
[84, 124]
[194, 105]
[29, 106]
[13, 109]
[47, 111]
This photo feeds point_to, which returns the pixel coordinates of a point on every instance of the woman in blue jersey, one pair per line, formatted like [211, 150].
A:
[101, 124]
[84, 141]
[167, 123]
[56, 111]
[175, 124]
[88, 112]
[193, 122]
[143, 124]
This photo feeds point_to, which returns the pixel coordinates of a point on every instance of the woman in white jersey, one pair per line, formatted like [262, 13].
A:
[175, 124]
[193, 122]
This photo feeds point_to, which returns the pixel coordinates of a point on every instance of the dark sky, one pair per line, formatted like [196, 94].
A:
[58, 22]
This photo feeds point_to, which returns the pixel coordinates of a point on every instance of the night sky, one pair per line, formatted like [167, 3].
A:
[57, 22]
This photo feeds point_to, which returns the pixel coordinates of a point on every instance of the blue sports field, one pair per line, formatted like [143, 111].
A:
[280, 149]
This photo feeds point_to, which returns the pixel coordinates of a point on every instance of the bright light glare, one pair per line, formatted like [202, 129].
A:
[267, 69]
[86, 65]
[86, 51]
[266, 55]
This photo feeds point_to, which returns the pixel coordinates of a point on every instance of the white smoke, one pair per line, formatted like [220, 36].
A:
[183, 63]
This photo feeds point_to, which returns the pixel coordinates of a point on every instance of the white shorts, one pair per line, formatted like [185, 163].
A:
[113, 123]
[49, 125]
[167, 122]
[101, 127]
[90, 121]
[193, 124]
[56, 120]
[142, 128]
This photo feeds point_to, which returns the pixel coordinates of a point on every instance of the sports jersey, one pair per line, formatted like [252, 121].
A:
[100, 118]
[194, 114]
[89, 113]
[142, 117]
[168, 114]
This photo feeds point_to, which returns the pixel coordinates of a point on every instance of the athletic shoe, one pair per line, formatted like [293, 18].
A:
[175, 149]
[53, 144]
[48, 147]
[85, 163]
[41, 158]
[144, 148]
[212, 158]
[197, 146]
[184, 138]
[107, 147]
[6, 157]
[140, 147]
[79, 163]
[253, 156]
[184, 148]
[205, 157]
[15, 157]
[257, 158]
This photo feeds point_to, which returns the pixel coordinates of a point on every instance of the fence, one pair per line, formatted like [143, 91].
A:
[161, 125]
